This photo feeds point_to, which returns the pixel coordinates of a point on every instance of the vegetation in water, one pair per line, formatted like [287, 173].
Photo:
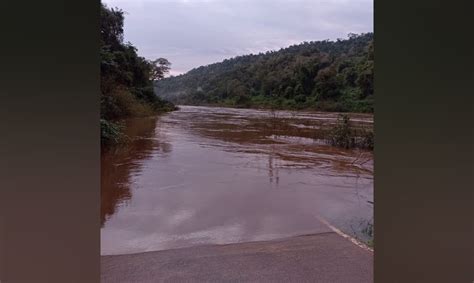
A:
[126, 78]
[369, 231]
[320, 75]
[110, 132]
[346, 136]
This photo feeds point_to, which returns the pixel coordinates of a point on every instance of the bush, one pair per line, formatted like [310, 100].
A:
[343, 135]
[369, 231]
[145, 94]
[367, 140]
[122, 103]
[110, 133]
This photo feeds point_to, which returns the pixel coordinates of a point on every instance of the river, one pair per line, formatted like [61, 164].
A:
[209, 175]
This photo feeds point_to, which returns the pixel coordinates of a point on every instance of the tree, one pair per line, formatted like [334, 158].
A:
[336, 74]
[126, 78]
[289, 92]
[159, 68]
[111, 26]
[326, 83]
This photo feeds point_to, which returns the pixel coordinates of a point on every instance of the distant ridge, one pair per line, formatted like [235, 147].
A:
[321, 75]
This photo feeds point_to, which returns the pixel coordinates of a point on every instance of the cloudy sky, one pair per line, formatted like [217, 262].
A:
[191, 33]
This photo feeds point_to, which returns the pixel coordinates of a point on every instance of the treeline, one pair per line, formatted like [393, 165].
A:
[126, 78]
[321, 75]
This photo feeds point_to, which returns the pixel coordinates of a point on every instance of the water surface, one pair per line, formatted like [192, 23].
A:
[205, 175]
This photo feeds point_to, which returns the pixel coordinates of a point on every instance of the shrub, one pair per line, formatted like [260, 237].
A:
[343, 135]
[367, 140]
[369, 231]
[119, 103]
[110, 133]
[122, 103]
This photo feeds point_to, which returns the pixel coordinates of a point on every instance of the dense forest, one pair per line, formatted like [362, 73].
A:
[126, 78]
[320, 75]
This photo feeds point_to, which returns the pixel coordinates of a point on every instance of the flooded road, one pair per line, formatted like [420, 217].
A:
[203, 175]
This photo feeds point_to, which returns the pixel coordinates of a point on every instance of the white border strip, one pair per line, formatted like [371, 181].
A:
[340, 233]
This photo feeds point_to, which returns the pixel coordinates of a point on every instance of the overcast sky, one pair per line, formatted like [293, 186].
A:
[191, 33]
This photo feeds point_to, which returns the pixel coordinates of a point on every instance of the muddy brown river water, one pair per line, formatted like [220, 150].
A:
[207, 175]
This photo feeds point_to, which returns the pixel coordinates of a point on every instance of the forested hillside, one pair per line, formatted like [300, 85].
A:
[321, 75]
[126, 78]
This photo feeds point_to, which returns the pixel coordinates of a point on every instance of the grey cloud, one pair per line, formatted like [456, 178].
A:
[191, 33]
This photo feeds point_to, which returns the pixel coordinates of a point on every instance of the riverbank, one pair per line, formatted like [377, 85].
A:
[111, 131]
[324, 257]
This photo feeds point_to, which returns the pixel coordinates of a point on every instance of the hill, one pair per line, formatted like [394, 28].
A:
[320, 75]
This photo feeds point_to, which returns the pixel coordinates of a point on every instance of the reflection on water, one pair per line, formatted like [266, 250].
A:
[119, 164]
[218, 175]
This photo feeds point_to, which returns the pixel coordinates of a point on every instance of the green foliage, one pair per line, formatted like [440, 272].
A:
[111, 26]
[126, 78]
[321, 75]
[367, 140]
[344, 135]
[110, 133]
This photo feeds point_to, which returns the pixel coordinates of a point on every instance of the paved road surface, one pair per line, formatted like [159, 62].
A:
[325, 257]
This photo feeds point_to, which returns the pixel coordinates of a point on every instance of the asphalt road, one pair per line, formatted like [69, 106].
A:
[324, 257]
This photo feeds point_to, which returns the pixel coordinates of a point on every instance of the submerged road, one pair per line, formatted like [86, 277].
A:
[224, 195]
[324, 257]
[210, 175]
